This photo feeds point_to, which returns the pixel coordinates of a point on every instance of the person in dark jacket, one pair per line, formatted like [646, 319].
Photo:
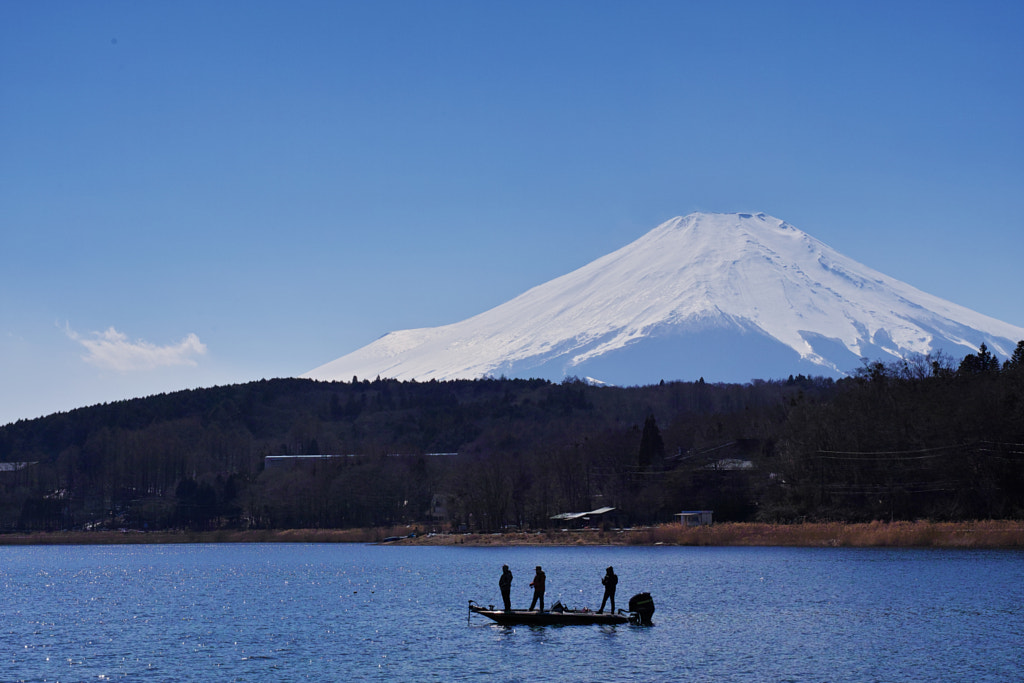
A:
[538, 588]
[609, 581]
[505, 584]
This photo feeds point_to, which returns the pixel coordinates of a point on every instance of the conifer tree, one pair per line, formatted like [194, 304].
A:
[1016, 361]
[652, 448]
[987, 361]
[982, 362]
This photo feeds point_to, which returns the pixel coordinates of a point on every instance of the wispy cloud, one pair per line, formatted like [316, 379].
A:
[114, 351]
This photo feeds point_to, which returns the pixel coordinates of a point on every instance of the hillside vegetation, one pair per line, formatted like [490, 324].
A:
[927, 440]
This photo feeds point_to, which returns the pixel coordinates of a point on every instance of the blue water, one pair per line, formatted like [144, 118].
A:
[367, 613]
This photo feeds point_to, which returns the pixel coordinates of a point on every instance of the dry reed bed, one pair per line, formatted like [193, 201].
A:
[256, 536]
[921, 534]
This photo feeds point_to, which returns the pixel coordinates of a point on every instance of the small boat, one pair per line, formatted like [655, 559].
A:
[556, 616]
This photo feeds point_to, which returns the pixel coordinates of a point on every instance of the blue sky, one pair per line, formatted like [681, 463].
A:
[197, 193]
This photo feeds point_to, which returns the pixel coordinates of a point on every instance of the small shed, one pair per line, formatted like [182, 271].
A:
[695, 517]
[591, 517]
[286, 462]
[14, 466]
[438, 509]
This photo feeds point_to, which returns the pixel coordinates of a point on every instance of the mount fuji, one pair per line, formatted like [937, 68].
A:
[729, 297]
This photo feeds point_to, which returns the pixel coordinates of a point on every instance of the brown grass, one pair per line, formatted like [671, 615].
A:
[374, 535]
[920, 534]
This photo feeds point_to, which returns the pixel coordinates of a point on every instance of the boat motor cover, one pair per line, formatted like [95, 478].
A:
[641, 602]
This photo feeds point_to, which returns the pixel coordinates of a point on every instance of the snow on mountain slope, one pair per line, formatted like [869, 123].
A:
[727, 296]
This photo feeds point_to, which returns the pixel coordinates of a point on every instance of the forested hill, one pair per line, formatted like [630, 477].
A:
[930, 439]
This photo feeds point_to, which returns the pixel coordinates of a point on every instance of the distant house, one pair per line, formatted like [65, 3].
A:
[730, 465]
[278, 462]
[695, 517]
[731, 456]
[285, 462]
[13, 473]
[596, 517]
[439, 509]
[14, 466]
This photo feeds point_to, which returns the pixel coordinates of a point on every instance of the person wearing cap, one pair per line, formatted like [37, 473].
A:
[610, 581]
[538, 588]
[505, 584]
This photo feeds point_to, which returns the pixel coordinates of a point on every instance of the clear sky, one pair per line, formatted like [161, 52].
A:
[203, 193]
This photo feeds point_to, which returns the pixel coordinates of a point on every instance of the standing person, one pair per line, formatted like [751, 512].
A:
[538, 588]
[610, 581]
[505, 584]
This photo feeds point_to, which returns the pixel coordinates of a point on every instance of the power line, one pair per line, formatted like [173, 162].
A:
[873, 457]
[889, 454]
[923, 453]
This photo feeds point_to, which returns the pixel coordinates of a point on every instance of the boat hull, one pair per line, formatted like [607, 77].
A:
[522, 617]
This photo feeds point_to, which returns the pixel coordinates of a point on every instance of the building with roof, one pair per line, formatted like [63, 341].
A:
[695, 517]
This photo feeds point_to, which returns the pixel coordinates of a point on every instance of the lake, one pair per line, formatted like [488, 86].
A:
[326, 612]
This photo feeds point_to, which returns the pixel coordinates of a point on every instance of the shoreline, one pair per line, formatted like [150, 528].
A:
[983, 534]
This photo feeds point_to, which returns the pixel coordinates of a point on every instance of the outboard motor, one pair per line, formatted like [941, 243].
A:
[641, 609]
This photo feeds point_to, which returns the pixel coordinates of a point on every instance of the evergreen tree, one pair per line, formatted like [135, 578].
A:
[987, 361]
[1016, 361]
[652, 448]
[969, 365]
[982, 362]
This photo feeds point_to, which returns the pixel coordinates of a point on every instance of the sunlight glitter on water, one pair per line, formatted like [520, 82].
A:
[337, 612]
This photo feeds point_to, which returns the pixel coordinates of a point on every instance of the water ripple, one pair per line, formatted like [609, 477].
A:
[357, 613]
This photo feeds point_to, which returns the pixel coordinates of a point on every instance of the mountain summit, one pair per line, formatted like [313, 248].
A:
[730, 297]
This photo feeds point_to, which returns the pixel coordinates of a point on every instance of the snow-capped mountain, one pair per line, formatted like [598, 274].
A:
[728, 297]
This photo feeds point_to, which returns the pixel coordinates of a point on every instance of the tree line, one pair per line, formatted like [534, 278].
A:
[928, 438]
